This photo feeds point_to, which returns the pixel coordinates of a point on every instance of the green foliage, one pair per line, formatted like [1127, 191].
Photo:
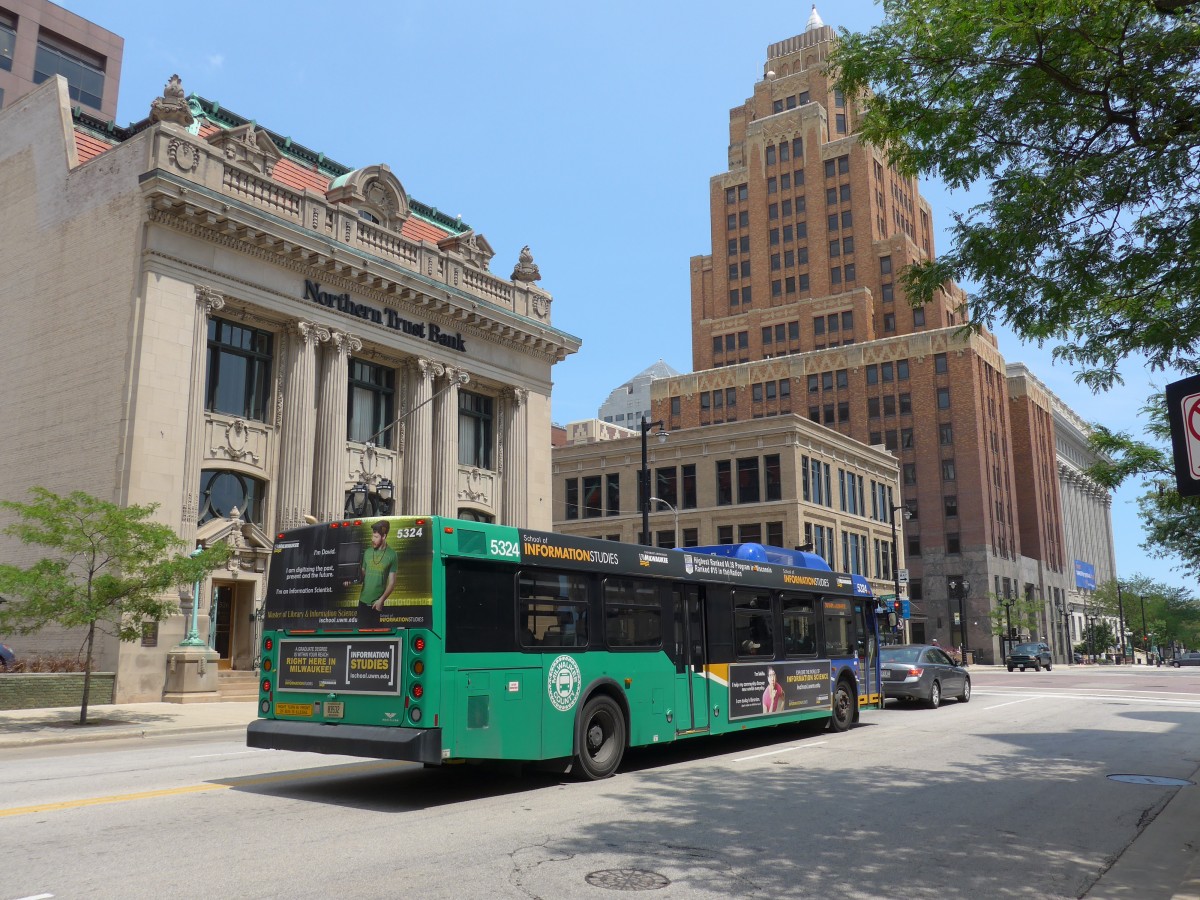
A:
[108, 568]
[1079, 121]
[1172, 522]
[1021, 613]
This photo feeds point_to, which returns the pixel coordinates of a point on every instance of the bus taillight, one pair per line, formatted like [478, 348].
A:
[269, 643]
[266, 664]
[418, 667]
[417, 691]
[266, 685]
[418, 643]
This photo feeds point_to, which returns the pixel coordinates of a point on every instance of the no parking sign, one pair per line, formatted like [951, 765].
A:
[1183, 410]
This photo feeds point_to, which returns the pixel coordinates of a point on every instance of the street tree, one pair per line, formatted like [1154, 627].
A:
[1172, 522]
[1078, 123]
[1021, 613]
[108, 569]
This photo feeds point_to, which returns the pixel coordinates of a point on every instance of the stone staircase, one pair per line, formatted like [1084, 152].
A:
[233, 685]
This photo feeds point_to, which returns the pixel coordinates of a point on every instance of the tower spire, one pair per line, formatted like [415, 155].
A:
[814, 20]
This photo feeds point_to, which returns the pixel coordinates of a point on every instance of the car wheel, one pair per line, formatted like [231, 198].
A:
[1037, 666]
[965, 696]
[1047, 667]
[935, 696]
[601, 738]
[1010, 668]
[1022, 668]
[843, 707]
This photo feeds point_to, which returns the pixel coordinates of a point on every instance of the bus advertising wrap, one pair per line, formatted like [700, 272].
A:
[375, 573]
[347, 667]
[761, 689]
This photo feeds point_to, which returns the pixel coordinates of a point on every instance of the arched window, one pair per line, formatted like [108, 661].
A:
[222, 490]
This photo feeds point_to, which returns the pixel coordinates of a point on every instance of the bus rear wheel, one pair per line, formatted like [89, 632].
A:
[843, 707]
[601, 738]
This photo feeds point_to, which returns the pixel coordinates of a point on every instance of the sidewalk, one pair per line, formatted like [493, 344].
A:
[31, 727]
[1162, 862]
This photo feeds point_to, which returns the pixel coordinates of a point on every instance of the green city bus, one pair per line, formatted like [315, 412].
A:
[437, 640]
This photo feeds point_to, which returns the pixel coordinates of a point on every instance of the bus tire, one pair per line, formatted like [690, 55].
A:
[601, 738]
[844, 705]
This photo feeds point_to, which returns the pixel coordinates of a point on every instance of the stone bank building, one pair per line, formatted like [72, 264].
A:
[203, 314]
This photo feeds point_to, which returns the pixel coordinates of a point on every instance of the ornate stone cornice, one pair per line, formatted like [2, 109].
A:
[210, 299]
[447, 315]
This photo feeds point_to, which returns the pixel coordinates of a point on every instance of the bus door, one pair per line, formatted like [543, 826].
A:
[691, 684]
[867, 647]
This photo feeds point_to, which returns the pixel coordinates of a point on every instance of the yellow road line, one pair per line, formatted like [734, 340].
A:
[360, 769]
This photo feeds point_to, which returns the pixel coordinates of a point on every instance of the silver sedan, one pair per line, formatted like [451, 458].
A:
[922, 672]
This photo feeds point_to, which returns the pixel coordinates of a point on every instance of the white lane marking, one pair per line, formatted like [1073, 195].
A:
[230, 753]
[782, 750]
[1010, 703]
[1108, 697]
[36, 897]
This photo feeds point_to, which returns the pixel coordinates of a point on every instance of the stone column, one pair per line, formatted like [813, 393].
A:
[415, 495]
[445, 444]
[514, 478]
[329, 477]
[208, 302]
[294, 479]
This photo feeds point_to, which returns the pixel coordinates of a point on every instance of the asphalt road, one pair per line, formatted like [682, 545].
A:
[1011, 795]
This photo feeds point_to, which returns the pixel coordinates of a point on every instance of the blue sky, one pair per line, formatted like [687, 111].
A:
[587, 132]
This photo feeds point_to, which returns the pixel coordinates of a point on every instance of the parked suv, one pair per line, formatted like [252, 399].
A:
[1022, 655]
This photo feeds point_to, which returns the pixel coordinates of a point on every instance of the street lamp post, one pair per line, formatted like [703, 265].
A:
[895, 552]
[673, 510]
[645, 474]
[1089, 614]
[1121, 619]
[1064, 632]
[1007, 603]
[193, 633]
[962, 590]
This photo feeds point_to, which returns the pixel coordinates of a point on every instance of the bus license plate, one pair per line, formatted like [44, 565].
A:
[335, 709]
[293, 709]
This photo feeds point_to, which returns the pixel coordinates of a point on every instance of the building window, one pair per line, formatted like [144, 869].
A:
[474, 430]
[724, 534]
[947, 470]
[612, 484]
[939, 363]
[83, 70]
[885, 265]
[889, 322]
[774, 478]
[943, 398]
[951, 506]
[918, 318]
[593, 503]
[8, 41]
[691, 537]
[952, 543]
[914, 545]
[221, 491]
[372, 398]
[946, 434]
[572, 498]
[910, 473]
[724, 482]
[689, 486]
[887, 292]
[747, 473]
[239, 370]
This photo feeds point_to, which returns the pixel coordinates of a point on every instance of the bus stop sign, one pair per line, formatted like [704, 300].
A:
[1183, 410]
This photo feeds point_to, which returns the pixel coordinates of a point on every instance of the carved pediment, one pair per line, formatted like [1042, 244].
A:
[248, 145]
[473, 248]
[238, 533]
[374, 191]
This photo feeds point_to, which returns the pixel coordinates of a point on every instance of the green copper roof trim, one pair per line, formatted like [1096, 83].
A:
[534, 325]
[223, 118]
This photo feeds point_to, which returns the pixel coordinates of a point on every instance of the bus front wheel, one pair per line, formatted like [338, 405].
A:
[843, 707]
[601, 738]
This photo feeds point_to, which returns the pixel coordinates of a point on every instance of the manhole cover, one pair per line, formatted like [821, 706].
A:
[627, 880]
[1161, 780]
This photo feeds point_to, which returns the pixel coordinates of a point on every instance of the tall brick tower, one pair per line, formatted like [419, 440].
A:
[797, 311]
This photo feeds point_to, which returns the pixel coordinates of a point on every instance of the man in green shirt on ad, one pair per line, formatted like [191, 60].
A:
[378, 573]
